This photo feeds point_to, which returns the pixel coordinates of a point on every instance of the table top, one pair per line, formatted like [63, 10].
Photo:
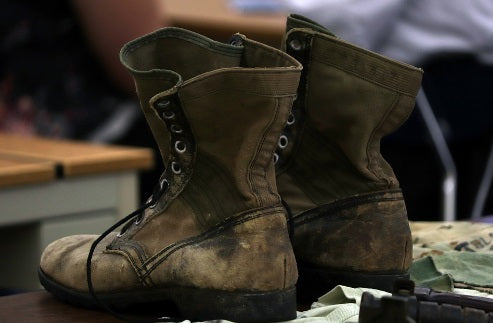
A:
[41, 307]
[17, 170]
[35, 159]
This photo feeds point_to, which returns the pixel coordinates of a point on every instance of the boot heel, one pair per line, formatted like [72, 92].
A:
[236, 306]
[363, 241]
[315, 282]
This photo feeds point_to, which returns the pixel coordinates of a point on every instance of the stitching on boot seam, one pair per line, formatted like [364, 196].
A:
[285, 273]
[257, 212]
[362, 77]
[167, 252]
[348, 203]
[278, 53]
[255, 159]
[329, 270]
[194, 195]
[403, 266]
[245, 71]
[404, 67]
[135, 267]
[377, 172]
[271, 189]
[218, 228]
[187, 36]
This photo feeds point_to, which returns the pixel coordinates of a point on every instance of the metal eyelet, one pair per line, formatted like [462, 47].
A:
[162, 182]
[291, 119]
[161, 186]
[296, 44]
[276, 158]
[162, 104]
[236, 40]
[138, 220]
[176, 168]
[120, 234]
[152, 205]
[168, 114]
[176, 128]
[283, 142]
[180, 146]
[148, 200]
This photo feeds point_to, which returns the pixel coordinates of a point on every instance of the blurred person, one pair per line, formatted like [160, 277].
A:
[453, 42]
[409, 31]
[60, 74]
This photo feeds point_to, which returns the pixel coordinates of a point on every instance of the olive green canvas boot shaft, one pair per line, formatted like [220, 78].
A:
[350, 219]
[213, 237]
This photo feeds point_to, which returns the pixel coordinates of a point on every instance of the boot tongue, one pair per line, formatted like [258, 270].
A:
[297, 21]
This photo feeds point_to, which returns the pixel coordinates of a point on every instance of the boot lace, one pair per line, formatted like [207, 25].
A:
[128, 221]
[177, 126]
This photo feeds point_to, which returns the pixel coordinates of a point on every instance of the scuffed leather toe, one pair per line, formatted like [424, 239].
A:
[64, 261]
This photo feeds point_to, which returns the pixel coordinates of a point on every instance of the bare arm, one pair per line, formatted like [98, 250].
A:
[109, 24]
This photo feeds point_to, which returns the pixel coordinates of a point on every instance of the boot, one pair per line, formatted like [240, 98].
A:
[349, 216]
[213, 237]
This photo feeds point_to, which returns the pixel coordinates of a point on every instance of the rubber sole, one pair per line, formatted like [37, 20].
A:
[314, 282]
[186, 302]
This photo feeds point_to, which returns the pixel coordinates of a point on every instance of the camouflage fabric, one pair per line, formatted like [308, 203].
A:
[454, 256]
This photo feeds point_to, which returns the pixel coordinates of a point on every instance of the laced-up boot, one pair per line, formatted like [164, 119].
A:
[350, 220]
[213, 237]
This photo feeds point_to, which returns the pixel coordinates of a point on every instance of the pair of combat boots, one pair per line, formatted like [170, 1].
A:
[258, 143]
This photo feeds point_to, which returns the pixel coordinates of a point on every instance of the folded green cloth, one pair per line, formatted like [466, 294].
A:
[453, 254]
[424, 273]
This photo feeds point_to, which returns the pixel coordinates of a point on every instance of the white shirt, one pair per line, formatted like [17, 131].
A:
[407, 30]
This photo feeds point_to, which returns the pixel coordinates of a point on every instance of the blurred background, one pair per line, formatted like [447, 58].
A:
[60, 77]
